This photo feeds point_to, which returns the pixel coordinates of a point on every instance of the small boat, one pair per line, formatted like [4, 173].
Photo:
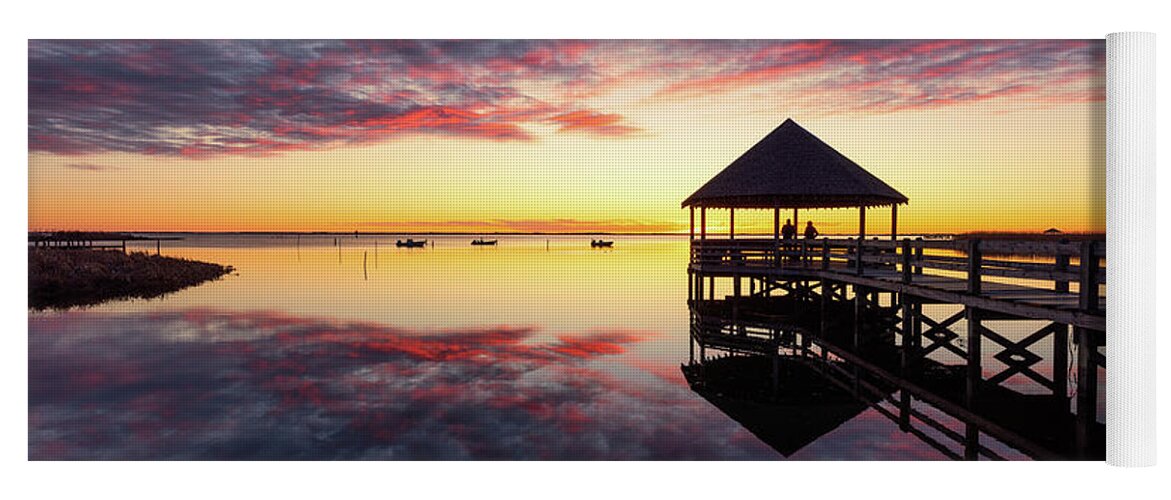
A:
[410, 243]
[601, 244]
[483, 242]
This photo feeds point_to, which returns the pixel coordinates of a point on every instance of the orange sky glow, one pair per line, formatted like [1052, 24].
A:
[551, 136]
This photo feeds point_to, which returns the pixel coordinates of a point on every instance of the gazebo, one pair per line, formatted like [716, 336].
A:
[792, 169]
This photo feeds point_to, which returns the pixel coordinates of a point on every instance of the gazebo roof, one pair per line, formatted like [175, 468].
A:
[792, 168]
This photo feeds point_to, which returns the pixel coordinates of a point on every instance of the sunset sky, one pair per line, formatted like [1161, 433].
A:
[559, 136]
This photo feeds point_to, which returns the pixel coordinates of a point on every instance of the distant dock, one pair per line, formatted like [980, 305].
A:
[84, 240]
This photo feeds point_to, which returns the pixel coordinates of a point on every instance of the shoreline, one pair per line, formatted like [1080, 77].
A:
[61, 279]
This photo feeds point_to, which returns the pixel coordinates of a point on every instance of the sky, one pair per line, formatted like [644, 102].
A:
[551, 135]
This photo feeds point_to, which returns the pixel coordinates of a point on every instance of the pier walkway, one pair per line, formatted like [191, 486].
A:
[1009, 307]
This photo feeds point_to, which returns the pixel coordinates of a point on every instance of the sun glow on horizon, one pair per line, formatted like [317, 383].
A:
[553, 136]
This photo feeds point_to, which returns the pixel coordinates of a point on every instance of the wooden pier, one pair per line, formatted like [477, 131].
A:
[861, 303]
[977, 329]
[81, 240]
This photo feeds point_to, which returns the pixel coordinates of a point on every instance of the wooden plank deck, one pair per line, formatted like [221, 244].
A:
[1057, 282]
[1025, 289]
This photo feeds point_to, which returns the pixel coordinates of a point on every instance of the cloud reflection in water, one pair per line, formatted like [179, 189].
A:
[205, 384]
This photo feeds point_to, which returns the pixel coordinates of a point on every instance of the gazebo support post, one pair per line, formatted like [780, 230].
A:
[692, 232]
[861, 223]
[795, 219]
[777, 224]
[861, 238]
[894, 222]
[703, 223]
[777, 236]
[731, 223]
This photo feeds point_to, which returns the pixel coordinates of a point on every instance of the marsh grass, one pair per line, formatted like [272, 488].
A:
[59, 278]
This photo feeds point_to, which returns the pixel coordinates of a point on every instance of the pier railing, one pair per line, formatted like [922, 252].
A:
[801, 293]
[1043, 265]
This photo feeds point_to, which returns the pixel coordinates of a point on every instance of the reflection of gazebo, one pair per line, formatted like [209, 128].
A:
[792, 168]
[800, 411]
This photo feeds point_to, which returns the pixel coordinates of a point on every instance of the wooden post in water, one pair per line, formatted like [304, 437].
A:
[916, 328]
[911, 322]
[1061, 366]
[972, 315]
[158, 247]
[826, 288]
[974, 367]
[908, 346]
[1087, 389]
[1087, 369]
[365, 276]
[859, 296]
[974, 376]
[855, 374]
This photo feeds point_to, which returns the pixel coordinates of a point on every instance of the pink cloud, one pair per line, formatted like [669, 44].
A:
[269, 97]
[597, 123]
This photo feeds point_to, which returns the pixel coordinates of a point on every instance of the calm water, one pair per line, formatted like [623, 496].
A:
[539, 348]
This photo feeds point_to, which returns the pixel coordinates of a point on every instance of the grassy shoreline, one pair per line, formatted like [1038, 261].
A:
[59, 279]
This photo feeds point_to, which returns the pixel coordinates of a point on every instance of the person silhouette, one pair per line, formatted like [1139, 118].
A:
[810, 231]
[788, 231]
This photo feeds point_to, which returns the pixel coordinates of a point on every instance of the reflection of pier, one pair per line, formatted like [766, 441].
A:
[980, 330]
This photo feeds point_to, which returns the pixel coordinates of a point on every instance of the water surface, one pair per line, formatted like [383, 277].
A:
[349, 348]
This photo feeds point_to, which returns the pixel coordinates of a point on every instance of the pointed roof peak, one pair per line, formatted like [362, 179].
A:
[789, 122]
[792, 168]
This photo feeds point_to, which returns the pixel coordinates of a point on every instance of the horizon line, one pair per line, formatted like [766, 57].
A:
[526, 233]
